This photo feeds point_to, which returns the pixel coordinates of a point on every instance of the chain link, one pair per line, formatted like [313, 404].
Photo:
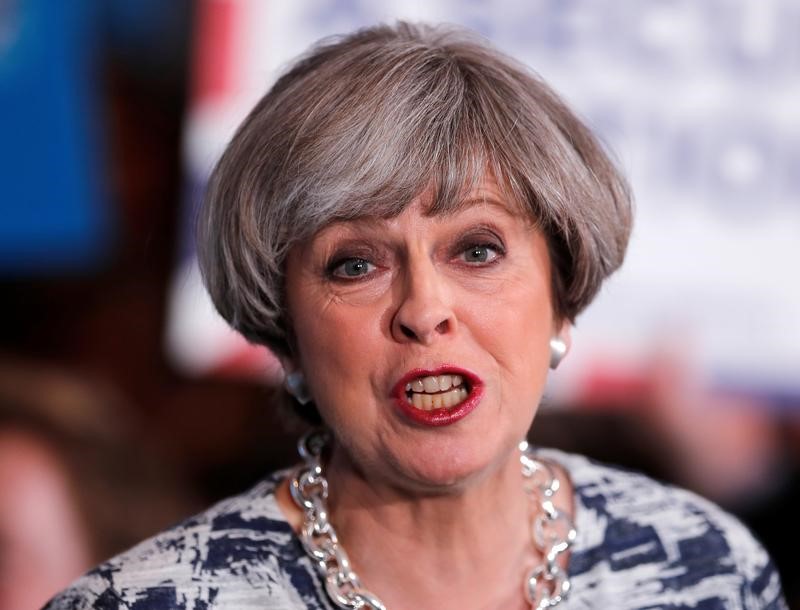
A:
[552, 531]
[309, 489]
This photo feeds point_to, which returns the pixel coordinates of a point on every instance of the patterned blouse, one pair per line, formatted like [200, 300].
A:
[641, 545]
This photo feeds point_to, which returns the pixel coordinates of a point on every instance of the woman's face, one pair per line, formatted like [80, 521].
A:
[383, 309]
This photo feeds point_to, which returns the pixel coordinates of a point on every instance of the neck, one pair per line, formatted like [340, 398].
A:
[467, 537]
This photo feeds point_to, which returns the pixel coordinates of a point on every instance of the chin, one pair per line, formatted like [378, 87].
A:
[449, 466]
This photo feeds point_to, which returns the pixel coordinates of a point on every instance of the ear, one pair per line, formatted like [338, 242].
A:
[565, 332]
[295, 382]
[560, 344]
[288, 364]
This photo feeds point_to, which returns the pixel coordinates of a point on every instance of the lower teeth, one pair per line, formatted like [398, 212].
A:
[428, 402]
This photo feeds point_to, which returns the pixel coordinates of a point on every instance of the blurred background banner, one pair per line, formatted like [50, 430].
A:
[697, 100]
[52, 212]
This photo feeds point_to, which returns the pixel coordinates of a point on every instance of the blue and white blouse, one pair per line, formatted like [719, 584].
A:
[641, 545]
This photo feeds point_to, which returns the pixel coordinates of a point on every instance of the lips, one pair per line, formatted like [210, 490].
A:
[439, 396]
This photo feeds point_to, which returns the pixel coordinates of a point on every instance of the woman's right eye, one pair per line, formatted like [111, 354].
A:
[351, 268]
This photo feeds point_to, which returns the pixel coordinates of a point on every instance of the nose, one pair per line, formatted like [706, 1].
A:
[424, 311]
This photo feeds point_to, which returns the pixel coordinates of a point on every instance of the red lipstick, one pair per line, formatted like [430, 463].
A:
[446, 415]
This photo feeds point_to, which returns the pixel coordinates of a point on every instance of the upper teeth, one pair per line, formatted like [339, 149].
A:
[432, 384]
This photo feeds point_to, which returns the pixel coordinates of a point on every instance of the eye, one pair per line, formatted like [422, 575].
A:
[351, 268]
[480, 253]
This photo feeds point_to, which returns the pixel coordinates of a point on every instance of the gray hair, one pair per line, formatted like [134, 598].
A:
[365, 123]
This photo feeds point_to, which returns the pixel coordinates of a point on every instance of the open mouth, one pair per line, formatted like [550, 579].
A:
[438, 396]
[437, 391]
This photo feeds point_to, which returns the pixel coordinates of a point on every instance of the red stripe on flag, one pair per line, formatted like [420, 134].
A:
[250, 362]
[213, 48]
[606, 387]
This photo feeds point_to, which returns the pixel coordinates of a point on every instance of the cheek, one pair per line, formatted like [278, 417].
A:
[335, 345]
[515, 328]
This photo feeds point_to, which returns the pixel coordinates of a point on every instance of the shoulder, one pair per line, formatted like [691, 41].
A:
[241, 553]
[666, 544]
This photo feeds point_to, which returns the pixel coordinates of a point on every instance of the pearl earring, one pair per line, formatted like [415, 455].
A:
[558, 349]
[296, 385]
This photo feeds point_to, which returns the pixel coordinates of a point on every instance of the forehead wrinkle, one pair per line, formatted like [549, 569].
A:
[490, 202]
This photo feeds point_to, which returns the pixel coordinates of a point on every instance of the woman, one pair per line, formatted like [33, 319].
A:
[411, 221]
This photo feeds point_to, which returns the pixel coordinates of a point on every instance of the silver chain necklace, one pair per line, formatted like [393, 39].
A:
[552, 530]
